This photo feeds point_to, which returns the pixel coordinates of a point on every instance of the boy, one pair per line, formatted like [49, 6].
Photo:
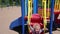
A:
[36, 25]
[36, 29]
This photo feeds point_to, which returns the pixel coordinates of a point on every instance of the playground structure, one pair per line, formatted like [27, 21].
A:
[35, 10]
[28, 11]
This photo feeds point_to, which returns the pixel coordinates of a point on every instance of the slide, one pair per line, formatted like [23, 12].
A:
[16, 25]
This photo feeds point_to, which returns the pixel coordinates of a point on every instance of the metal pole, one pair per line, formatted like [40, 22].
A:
[44, 14]
[23, 14]
[51, 16]
[26, 7]
[35, 6]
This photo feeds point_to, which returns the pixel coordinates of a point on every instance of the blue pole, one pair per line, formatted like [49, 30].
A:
[35, 6]
[26, 7]
[23, 14]
[51, 16]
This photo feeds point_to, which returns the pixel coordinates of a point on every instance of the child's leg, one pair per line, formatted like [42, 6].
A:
[58, 25]
[54, 26]
[58, 28]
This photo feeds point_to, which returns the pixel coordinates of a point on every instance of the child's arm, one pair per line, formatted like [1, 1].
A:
[32, 28]
[41, 30]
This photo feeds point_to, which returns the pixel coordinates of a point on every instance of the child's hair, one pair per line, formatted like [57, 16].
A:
[36, 24]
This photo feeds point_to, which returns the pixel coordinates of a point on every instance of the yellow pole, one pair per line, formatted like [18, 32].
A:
[48, 9]
[59, 5]
[56, 4]
[44, 14]
[29, 12]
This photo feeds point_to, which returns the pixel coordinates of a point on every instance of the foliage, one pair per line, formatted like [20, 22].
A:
[15, 3]
[9, 2]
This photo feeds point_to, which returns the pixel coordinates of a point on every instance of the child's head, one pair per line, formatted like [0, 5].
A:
[36, 27]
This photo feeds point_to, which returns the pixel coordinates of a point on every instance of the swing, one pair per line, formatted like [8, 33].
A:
[31, 19]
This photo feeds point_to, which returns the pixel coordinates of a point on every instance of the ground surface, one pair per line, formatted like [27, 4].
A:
[7, 15]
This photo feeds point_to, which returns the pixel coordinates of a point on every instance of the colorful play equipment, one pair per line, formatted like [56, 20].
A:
[44, 13]
[35, 18]
[30, 7]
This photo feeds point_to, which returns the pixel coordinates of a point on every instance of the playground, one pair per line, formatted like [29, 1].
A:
[12, 14]
[26, 18]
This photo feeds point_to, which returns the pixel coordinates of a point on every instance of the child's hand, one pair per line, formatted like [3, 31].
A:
[45, 29]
